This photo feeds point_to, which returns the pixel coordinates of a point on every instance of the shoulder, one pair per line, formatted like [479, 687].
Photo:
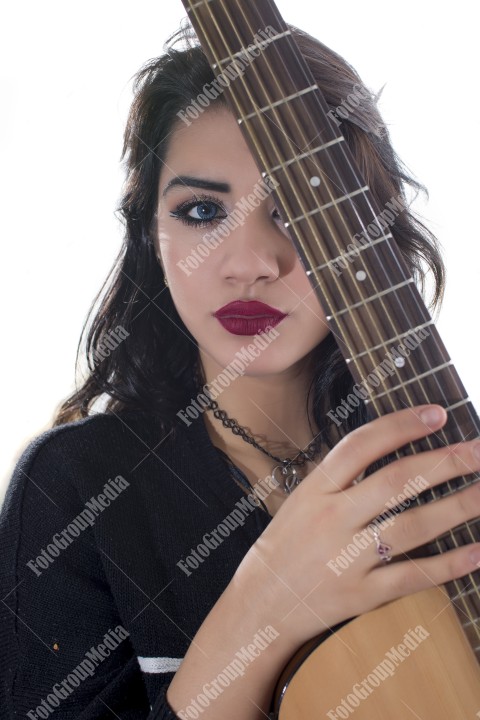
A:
[76, 458]
[68, 475]
[96, 433]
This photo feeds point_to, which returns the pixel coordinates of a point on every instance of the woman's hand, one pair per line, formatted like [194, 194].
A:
[292, 570]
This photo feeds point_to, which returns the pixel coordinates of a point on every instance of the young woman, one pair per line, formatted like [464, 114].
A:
[155, 531]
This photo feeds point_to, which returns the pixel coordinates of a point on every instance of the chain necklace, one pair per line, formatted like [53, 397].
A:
[285, 473]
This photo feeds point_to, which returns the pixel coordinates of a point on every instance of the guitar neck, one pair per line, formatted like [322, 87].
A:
[343, 238]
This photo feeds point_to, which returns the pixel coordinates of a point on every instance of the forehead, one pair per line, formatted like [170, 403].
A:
[212, 144]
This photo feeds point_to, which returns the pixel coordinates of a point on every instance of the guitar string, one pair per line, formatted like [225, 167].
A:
[352, 169]
[292, 187]
[463, 482]
[289, 108]
[338, 338]
[337, 209]
[436, 379]
[230, 54]
[454, 538]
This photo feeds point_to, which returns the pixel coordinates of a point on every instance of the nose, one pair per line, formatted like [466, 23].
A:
[256, 250]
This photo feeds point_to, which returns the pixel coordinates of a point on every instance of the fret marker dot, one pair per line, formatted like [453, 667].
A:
[399, 362]
[315, 181]
[361, 275]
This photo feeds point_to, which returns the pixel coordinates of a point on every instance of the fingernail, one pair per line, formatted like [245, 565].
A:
[475, 557]
[476, 451]
[432, 416]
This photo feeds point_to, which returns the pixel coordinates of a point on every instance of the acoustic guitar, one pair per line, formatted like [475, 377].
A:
[418, 656]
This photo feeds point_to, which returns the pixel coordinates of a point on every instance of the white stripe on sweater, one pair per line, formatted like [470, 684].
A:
[159, 664]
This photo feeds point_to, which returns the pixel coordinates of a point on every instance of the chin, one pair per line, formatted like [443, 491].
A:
[276, 362]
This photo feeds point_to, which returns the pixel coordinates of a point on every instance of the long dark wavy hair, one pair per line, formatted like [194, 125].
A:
[151, 369]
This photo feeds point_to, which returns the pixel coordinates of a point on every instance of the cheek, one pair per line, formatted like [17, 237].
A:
[172, 259]
[312, 308]
[190, 281]
[179, 251]
[167, 247]
[303, 288]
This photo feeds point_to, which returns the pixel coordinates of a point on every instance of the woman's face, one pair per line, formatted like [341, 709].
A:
[204, 190]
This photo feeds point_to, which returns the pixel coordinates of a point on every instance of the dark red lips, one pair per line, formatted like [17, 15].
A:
[248, 318]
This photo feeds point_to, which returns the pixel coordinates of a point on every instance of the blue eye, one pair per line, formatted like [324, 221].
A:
[204, 211]
[199, 212]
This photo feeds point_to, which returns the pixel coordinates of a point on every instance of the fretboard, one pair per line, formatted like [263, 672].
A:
[343, 239]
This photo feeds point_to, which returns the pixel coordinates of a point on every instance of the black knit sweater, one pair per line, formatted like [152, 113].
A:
[101, 594]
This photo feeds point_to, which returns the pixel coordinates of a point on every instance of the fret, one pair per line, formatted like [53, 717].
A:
[458, 404]
[461, 587]
[359, 249]
[294, 123]
[467, 605]
[458, 427]
[441, 388]
[468, 608]
[260, 45]
[277, 103]
[410, 380]
[461, 419]
[304, 155]
[353, 266]
[445, 490]
[469, 622]
[330, 204]
[370, 299]
[383, 345]
[468, 532]
[451, 487]
[466, 597]
[405, 360]
[473, 631]
[369, 323]
[470, 591]
[472, 626]
[314, 207]
[444, 388]
[196, 5]
[256, 85]
[352, 253]
[464, 483]
[418, 352]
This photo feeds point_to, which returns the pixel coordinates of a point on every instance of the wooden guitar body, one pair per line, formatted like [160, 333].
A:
[425, 677]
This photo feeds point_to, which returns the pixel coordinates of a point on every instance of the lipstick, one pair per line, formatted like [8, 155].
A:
[248, 317]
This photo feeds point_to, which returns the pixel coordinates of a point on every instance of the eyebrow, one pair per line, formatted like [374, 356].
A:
[187, 180]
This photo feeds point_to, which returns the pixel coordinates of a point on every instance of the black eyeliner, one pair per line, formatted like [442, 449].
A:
[182, 210]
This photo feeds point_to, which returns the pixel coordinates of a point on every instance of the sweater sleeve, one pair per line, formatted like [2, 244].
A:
[64, 651]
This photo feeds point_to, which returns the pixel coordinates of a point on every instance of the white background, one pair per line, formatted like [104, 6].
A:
[65, 91]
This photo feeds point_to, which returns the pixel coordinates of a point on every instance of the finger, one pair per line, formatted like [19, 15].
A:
[360, 448]
[411, 576]
[400, 481]
[416, 527]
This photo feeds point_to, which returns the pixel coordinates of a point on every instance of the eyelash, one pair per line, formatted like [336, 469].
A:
[182, 210]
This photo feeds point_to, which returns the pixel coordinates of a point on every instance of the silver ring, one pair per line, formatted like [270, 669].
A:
[383, 550]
